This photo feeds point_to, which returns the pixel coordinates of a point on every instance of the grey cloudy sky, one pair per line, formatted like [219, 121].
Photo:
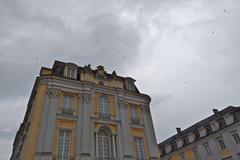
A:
[183, 53]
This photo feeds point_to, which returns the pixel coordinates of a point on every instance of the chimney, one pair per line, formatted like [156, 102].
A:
[178, 130]
[215, 111]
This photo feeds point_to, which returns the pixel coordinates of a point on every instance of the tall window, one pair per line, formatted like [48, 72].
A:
[104, 105]
[236, 138]
[139, 148]
[133, 112]
[67, 104]
[221, 144]
[103, 145]
[64, 145]
[207, 149]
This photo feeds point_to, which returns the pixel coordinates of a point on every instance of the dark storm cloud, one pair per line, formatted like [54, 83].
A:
[36, 38]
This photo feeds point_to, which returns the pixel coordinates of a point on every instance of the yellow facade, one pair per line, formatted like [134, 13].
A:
[36, 114]
[56, 123]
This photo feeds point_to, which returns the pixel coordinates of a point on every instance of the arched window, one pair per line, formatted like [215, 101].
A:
[104, 106]
[103, 145]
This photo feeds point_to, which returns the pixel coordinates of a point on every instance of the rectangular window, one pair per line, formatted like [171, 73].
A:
[134, 115]
[67, 105]
[221, 144]
[133, 112]
[139, 148]
[236, 138]
[207, 149]
[64, 145]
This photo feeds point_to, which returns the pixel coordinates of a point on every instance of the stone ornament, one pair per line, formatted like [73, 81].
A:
[146, 109]
[51, 92]
[84, 97]
[123, 104]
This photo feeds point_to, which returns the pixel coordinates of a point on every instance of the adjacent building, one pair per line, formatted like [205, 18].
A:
[214, 138]
[80, 113]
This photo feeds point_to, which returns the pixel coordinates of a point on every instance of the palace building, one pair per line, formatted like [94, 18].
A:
[214, 138]
[80, 113]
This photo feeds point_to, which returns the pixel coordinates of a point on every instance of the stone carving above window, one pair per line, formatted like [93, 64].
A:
[129, 82]
[100, 72]
[229, 119]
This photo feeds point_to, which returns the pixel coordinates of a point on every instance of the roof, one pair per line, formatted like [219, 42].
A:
[216, 116]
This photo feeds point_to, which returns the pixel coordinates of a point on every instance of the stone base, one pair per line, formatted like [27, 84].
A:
[43, 156]
[85, 156]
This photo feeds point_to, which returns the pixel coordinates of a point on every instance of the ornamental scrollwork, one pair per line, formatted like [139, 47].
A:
[52, 93]
[123, 104]
[84, 97]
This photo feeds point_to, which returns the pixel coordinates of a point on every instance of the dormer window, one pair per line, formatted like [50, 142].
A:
[191, 137]
[215, 126]
[70, 71]
[168, 148]
[229, 119]
[202, 132]
[179, 143]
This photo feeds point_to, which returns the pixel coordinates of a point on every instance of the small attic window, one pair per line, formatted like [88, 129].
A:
[70, 71]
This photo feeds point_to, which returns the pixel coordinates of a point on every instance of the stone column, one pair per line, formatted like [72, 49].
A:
[47, 126]
[79, 127]
[125, 132]
[96, 144]
[150, 133]
[114, 146]
[86, 127]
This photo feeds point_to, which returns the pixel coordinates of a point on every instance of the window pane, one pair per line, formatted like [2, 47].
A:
[104, 106]
[139, 148]
[103, 145]
[133, 112]
[64, 144]
[67, 101]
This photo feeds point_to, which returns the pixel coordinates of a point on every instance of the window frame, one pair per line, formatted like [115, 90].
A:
[64, 142]
[104, 104]
[101, 140]
[139, 148]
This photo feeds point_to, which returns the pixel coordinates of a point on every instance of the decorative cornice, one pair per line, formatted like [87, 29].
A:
[146, 108]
